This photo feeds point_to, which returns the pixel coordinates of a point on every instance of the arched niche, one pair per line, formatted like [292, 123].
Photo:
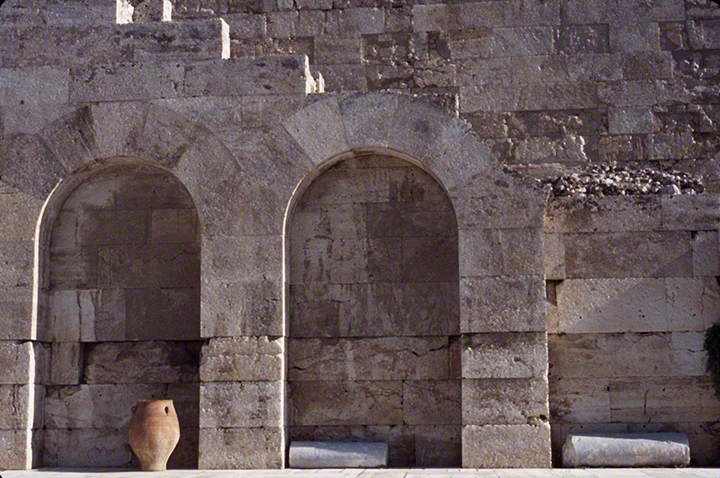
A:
[118, 306]
[373, 323]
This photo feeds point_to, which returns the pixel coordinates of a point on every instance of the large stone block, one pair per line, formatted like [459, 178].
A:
[504, 355]
[432, 402]
[83, 447]
[33, 86]
[626, 450]
[15, 452]
[248, 76]
[409, 219]
[307, 454]
[16, 264]
[506, 446]
[580, 400]
[481, 253]
[693, 303]
[641, 254]
[149, 266]
[625, 355]
[113, 227]
[19, 212]
[76, 269]
[504, 401]
[95, 406]
[345, 403]
[87, 315]
[693, 213]
[162, 314]
[241, 404]
[243, 448]
[29, 165]
[329, 260]
[706, 253]
[457, 16]
[18, 363]
[66, 363]
[502, 304]
[242, 358]
[611, 305]
[24, 407]
[126, 81]
[16, 317]
[355, 21]
[176, 41]
[522, 41]
[148, 362]
[664, 400]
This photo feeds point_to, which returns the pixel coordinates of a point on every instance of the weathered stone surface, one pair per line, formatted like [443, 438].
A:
[691, 212]
[149, 362]
[574, 39]
[626, 450]
[706, 253]
[87, 315]
[630, 120]
[17, 362]
[502, 304]
[174, 41]
[96, 406]
[249, 76]
[241, 404]
[580, 400]
[480, 253]
[692, 303]
[385, 358]
[149, 266]
[162, 314]
[66, 363]
[504, 355]
[306, 454]
[324, 118]
[506, 446]
[126, 81]
[554, 257]
[35, 177]
[666, 400]
[16, 260]
[16, 305]
[432, 402]
[522, 41]
[356, 21]
[245, 448]
[640, 254]
[345, 403]
[599, 355]
[608, 214]
[504, 401]
[612, 305]
[108, 447]
[456, 16]
[25, 405]
[19, 213]
[16, 454]
[242, 358]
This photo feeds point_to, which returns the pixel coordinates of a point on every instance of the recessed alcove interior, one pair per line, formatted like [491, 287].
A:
[373, 324]
[119, 309]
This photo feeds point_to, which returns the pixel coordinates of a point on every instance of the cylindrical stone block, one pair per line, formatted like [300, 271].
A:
[626, 450]
[312, 454]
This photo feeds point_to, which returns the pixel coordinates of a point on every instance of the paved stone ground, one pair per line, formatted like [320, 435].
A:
[362, 473]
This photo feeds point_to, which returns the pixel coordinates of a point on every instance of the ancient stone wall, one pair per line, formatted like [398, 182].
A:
[631, 288]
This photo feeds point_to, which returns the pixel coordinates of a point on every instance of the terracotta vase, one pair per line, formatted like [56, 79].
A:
[154, 433]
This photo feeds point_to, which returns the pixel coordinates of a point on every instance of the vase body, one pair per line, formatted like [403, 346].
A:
[154, 433]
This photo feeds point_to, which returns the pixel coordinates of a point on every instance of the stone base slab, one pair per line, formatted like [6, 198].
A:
[626, 450]
[309, 454]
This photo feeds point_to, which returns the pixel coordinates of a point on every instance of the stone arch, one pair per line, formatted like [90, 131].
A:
[501, 286]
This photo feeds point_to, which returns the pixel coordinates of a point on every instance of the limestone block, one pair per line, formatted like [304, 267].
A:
[15, 453]
[96, 406]
[76, 269]
[612, 305]
[329, 260]
[456, 16]
[29, 165]
[574, 39]
[623, 355]
[66, 364]
[516, 208]
[506, 446]
[72, 138]
[383, 358]
[642, 254]
[432, 402]
[362, 310]
[630, 120]
[504, 401]
[691, 212]
[353, 21]
[172, 226]
[241, 308]
[295, 24]
[503, 303]
[185, 454]
[706, 253]
[24, 404]
[522, 41]
[308, 454]
[518, 12]
[126, 81]
[18, 363]
[19, 212]
[16, 306]
[174, 41]
[693, 303]
[241, 404]
[554, 256]
[113, 227]
[136, 190]
[332, 49]
[385, 261]
[410, 219]
[430, 258]
[242, 358]
[340, 221]
[16, 263]
[480, 252]
[627, 450]
[83, 447]
[248, 76]
[87, 315]
[609, 214]
[703, 34]
[267, 111]
[162, 314]
[522, 251]
[241, 448]
[504, 355]
[246, 25]
[33, 86]
[149, 266]
[666, 400]
[320, 119]
[360, 132]
[186, 400]
[438, 445]
[581, 400]
[166, 134]
[148, 362]
[345, 403]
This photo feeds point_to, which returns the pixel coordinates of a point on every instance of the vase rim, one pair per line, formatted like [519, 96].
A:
[155, 401]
